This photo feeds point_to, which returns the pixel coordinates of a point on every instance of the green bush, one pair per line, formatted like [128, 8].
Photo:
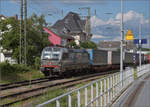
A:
[20, 68]
[88, 45]
[16, 72]
[6, 68]
[72, 44]
[37, 63]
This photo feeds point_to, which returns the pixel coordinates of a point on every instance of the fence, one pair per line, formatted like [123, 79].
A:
[142, 70]
[98, 93]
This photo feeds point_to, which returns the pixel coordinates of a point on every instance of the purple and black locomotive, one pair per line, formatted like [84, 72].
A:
[56, 60]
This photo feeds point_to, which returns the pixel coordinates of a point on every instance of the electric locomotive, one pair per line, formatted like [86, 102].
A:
[56, 60]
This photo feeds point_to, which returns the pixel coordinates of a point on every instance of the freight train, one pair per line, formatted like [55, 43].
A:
[57, 60]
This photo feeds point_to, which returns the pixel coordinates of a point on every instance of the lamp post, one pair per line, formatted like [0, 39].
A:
[88, 23]
[121, 45]
[140, 43]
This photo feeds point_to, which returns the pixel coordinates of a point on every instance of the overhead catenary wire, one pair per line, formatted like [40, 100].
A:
[46, 8]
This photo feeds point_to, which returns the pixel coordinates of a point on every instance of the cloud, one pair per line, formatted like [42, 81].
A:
[117, 38]
[111, 27]
[98, 36]
[130, 16]
[95, 21]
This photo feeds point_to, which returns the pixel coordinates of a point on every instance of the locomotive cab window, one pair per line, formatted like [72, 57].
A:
[51, 53]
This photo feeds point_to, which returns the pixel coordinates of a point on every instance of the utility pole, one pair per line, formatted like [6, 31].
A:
[21, 18]
[0, 44]
[0, 37]
[25, 32]
[88, 23]
[121, 45]
[0, 6]
[140, 44]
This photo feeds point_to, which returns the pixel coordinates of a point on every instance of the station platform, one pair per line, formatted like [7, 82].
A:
[137, 95]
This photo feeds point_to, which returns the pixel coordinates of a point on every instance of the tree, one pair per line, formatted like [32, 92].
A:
[37, 39]
[10, 34]
[73, 44]
[145, 49]
[88, 45]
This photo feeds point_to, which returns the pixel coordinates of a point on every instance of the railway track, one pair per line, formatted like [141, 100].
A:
[19, 94]
[25, 83]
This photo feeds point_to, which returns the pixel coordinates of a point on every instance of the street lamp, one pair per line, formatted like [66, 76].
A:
[140, 42]
[121, 45]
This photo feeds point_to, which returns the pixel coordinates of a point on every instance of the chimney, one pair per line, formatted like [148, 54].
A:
[16, 16]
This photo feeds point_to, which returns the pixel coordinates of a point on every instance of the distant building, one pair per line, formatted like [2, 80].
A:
[73, 26]
[2, 17]
[115, 45]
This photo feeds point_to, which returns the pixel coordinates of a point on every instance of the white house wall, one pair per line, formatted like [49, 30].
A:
[2, 57]
[77, 39]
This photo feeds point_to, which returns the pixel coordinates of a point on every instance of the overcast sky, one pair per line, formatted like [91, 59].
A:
[104, 26]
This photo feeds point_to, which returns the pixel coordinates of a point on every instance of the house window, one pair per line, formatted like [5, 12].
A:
[63, 42]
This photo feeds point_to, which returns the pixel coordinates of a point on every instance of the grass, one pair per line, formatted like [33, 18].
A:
[64, 101]
[52, 93]
[135, 73]
[20, 76]
[14, 73]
